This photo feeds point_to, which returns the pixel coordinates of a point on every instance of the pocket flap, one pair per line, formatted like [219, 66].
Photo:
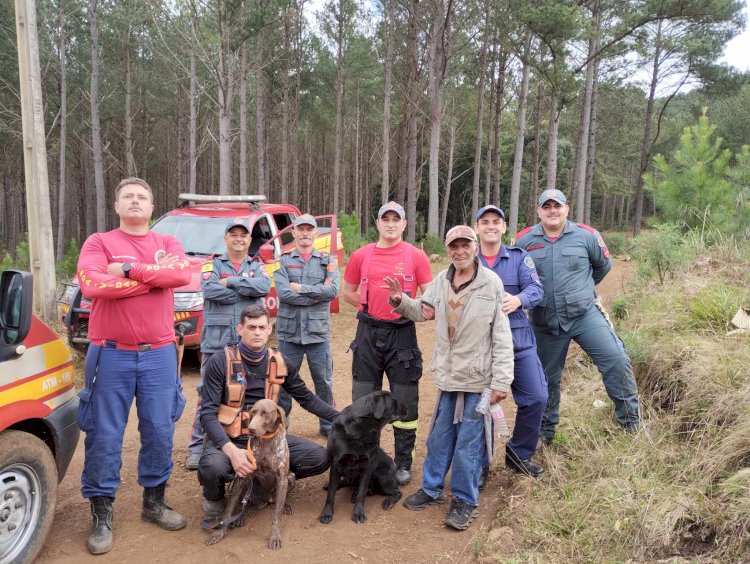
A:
[227, 414]
[318, 315]
[286, 313]
[575, 252]
[223, 320]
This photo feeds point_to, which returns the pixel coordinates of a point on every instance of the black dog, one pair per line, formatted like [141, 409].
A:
[356, 457]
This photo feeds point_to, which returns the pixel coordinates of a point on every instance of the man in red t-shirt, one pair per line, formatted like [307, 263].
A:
[129, 274]
[385, 341]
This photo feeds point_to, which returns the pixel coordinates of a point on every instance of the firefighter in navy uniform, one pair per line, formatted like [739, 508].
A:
[306, 282]
[385, 341]
[225, 457]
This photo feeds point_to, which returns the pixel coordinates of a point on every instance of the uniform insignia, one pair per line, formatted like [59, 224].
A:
[264, 273]
[206, 275]
[601, 243]
[528, 261]
[160, 254]
[207, 266]
[532, 247]
[246, 275]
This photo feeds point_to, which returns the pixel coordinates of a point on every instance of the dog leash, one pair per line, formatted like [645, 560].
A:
[217, 522]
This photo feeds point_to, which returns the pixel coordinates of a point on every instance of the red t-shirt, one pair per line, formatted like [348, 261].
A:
[489, 259]
[388, 261]
[138, 309]
[305, 256]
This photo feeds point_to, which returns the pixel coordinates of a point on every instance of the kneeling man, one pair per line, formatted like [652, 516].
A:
[225, 457]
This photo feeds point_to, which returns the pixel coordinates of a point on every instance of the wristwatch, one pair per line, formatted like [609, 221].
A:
[126, 266]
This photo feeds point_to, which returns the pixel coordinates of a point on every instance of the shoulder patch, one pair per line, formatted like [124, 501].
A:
[528, 261]
[586, 227]
[207, 266]
[600, 241]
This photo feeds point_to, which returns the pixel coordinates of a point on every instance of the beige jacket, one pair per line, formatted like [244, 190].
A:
[481, 354]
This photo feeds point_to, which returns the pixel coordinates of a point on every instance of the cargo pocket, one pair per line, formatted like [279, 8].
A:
[178, 405]
[353, 348]
[578, 258]
[411, 362]
[286, 323]
[317, 323]
[85, 412]
[217, 331]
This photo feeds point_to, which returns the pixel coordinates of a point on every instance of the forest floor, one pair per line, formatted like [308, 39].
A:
[398, 535]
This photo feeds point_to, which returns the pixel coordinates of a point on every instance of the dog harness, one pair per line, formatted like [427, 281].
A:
[232, 415]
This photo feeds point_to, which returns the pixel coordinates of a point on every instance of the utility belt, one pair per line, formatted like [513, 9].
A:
[233, 416]
[368, 319]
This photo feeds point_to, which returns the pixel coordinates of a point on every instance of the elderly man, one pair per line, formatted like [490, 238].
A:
[571, 259]
[129, 274]
[230, 282]
[473, 351]
[306, 282]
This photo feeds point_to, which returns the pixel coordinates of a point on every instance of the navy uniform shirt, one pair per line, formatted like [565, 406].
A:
[569, 268]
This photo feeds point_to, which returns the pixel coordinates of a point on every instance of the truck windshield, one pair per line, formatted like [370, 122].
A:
[198, 235]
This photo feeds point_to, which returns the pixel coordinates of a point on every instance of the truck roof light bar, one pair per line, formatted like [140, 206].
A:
[214, 198]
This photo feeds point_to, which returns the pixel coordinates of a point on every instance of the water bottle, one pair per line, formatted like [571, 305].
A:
[498, 419]
[484, 401]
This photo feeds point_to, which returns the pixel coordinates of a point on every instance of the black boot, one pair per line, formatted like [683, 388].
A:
[156, 511]
[100, 537]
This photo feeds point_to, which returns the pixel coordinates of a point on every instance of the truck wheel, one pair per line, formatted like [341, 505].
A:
[28, 494]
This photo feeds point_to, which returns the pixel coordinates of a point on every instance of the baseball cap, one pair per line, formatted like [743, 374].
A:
[236, 222]
[394, 207]
[486, 209]
[306, 219]
[552, 194]
[460, 232]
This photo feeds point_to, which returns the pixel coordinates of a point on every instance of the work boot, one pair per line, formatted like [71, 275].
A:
[483, 477]
[100, 537]
[193, 461]
[214, 508]
[522, 465]
[421, 499]
[460, 514]
[156, 511]
[403, 476]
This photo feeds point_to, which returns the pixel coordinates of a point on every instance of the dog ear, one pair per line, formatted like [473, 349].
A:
[281, 416]
[379, 408]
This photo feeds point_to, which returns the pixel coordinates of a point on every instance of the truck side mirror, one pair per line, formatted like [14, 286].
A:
[267, 254]
[16, 295]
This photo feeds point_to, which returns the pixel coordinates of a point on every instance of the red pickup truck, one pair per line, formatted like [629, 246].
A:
[198, 223]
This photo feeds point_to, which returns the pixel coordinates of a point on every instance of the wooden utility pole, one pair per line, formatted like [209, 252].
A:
[35, 161]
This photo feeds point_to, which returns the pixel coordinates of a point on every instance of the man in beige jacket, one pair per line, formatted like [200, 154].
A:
[473, 352]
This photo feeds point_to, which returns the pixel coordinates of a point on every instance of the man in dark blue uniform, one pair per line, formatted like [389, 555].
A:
[571, 258]
[523, 290]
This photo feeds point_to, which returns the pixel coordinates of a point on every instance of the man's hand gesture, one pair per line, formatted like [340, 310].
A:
[394, 288]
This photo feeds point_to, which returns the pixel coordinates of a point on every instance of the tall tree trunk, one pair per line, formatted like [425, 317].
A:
[579, 182]
[96, 134]
[285, 132]
[499, 107]
[129, 158]
[357, 166]
[337, 197]
[260, 120]
[646, 143]
[387, 88]
[243, 119]
[554, 122]
[439, 55]
[449, 175]
[536, 151]
[480, 115]
[591, 153]
[515, 184]
[489, 163]
[226, 95]
[403, 149]
[297, 93]
[61, 215]
[412, 62]
[193, 123]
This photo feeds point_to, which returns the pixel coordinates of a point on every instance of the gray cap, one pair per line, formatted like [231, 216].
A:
[394, 207]
[236, 222]
[306, 219]
[552, 194]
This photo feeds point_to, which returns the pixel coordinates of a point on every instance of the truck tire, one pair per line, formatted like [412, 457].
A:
[28, 494]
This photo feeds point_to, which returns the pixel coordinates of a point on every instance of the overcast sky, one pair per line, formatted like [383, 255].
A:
[737, 52]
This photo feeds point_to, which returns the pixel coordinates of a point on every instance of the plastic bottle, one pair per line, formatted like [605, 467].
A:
[498, 419]
[484, 401]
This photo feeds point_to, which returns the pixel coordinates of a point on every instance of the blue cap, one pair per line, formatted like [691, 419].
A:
[306, 219]
[236, 222]
[486, 209]
[552, 194]
[394, 207]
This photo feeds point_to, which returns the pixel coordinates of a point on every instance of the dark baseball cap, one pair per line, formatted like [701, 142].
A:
[306, 219]
[552, 194]
[490, 208]
[460, 232]
[394, 207]
[236, 222]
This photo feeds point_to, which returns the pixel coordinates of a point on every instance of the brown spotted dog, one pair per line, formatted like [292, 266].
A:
[272, 479]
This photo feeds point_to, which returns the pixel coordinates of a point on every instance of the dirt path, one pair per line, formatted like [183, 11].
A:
[395, 536]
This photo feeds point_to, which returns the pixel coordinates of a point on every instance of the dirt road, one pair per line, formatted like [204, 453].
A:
[398, 535]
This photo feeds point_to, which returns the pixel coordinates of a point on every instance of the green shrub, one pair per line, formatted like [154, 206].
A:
[69, 264]
[714, 306]
[617, 243]
[619, 308]
[659, 251]
[350, 230]
[23, 257]
[432, 244]
[6, 263]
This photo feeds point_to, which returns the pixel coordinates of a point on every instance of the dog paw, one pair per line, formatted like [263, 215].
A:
[359, 516]
[239, 522]
[391, 500]
[325, 517]
[288, 509]
[216, 537]
[274, 541]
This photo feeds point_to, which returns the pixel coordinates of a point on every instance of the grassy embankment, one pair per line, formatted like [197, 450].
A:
[680, 487]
